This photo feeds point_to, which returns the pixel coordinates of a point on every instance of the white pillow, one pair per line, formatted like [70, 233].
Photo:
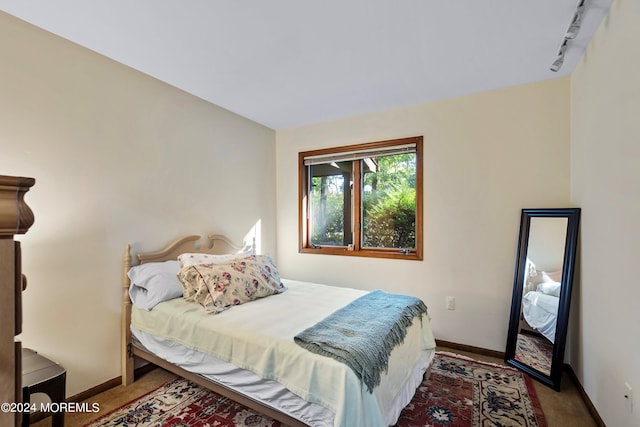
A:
[153, 283]
[549, 288]
[532, 276]
[189, 259]
[552, 276]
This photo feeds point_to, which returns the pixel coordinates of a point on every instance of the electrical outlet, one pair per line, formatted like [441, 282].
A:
[451, 303]
[628, 395]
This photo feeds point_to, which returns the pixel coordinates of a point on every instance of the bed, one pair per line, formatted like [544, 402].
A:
[248, 353]
[540, 300]
[540, 311]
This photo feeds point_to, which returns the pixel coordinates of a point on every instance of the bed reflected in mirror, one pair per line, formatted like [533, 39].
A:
[542, 292]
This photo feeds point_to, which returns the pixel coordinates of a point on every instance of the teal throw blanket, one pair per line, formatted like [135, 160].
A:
[363, 333]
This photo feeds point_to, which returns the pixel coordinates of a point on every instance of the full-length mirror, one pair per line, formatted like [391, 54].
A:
[542, 292]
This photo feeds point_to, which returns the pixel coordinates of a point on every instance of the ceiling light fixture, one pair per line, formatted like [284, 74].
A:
[570, 34]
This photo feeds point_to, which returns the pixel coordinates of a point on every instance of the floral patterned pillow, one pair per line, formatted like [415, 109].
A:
[218, 287]
[198, 258]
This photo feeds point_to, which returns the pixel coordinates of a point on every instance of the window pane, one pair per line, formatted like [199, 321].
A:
[330, 204]
[362, 200]
[389, 201]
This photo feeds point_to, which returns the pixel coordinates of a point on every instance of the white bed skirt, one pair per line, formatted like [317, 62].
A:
[268, 392]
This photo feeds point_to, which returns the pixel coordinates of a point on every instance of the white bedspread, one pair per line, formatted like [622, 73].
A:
[541, 312]
[233, 336]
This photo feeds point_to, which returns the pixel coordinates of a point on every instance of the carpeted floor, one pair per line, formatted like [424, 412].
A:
[458, 392]
[182, 403]
[534, 351]
[464, 392]
[561, 409]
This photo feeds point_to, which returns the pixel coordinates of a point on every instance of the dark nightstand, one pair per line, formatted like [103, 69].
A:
[41, 375]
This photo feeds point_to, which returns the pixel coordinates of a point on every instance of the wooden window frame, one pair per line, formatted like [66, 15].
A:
[356, 248]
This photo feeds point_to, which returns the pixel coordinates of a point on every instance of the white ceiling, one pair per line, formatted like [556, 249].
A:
[286, 63]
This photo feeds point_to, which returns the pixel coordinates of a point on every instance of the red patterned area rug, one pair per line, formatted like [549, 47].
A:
[180, 403]
[460, 392]
[535, 352]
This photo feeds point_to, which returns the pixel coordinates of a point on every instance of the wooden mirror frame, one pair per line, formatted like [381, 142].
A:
[571, 244]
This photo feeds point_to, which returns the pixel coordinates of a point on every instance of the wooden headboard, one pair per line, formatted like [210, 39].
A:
[215, 244]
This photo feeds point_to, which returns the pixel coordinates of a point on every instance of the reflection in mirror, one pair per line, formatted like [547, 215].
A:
[541, 293]
[542, 290]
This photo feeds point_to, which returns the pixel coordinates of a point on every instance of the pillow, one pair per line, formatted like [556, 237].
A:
[532, 276]
[549, 288]
[153, 283]
[199, 259]
[552, 276]
[218, 287]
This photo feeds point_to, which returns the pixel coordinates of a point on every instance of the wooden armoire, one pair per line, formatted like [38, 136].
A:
[15, 218]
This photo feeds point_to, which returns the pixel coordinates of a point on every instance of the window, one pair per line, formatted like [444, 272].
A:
[362, 200]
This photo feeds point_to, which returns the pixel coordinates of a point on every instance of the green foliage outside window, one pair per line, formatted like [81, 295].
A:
[327, 200]
[389, 205]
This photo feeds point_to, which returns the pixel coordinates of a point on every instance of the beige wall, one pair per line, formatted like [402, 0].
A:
[487, 156]
[605, 181]
[118, 157]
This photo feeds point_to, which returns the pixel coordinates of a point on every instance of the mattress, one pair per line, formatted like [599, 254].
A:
[181, 333]
[541, 312]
